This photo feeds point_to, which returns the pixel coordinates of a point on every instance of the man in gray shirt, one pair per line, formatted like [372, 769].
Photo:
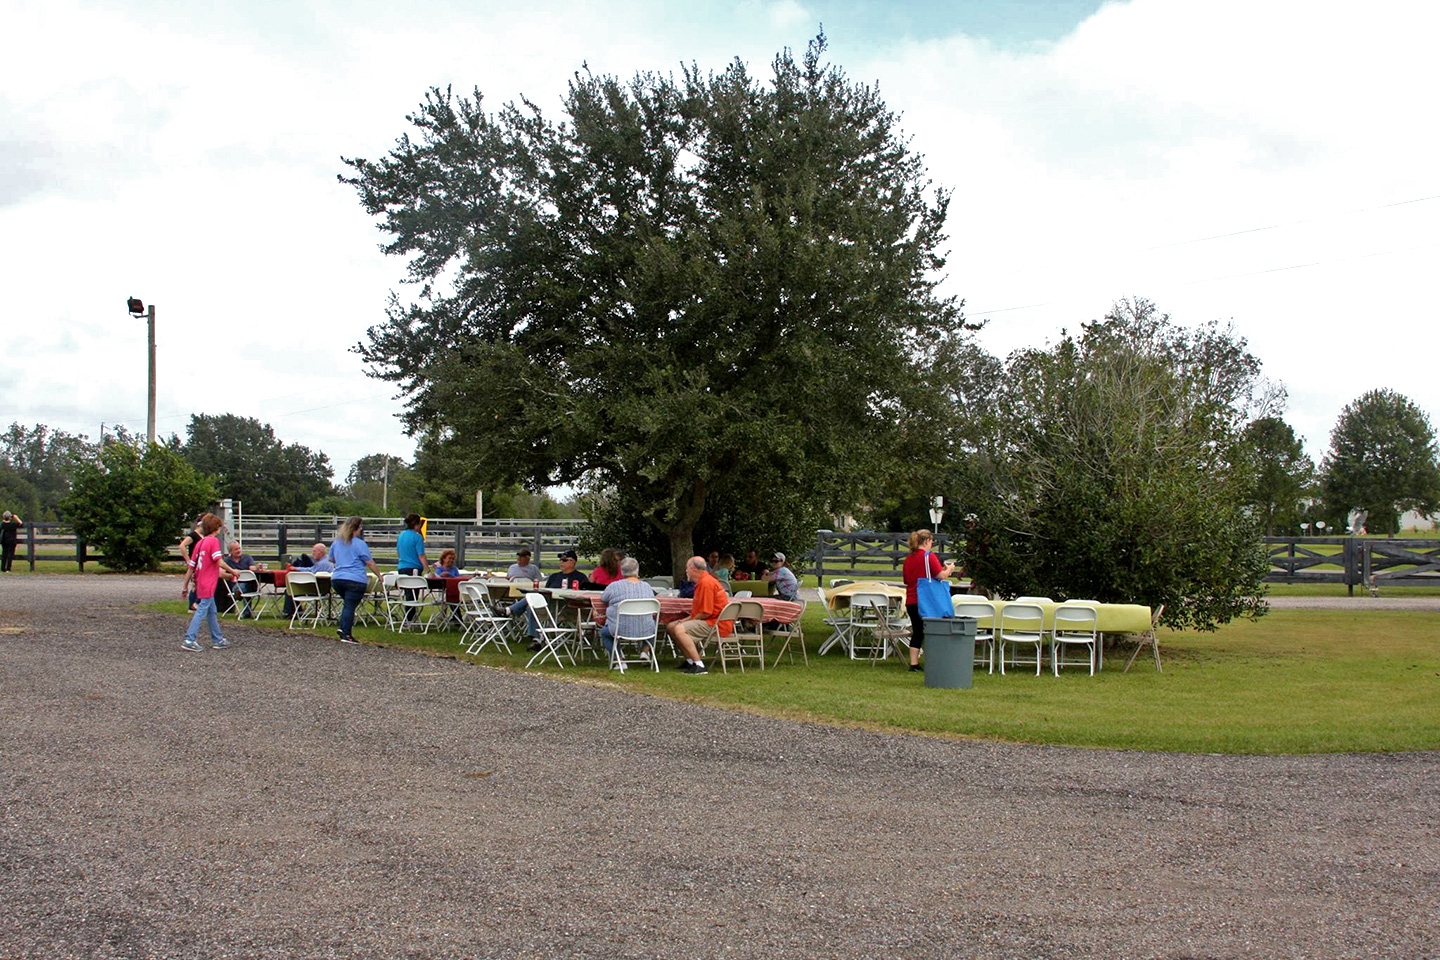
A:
[522, 568]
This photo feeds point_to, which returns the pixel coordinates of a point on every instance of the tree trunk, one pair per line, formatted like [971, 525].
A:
[681, 531]
[682, 548]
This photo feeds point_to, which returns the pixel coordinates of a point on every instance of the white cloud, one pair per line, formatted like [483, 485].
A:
[192, 161]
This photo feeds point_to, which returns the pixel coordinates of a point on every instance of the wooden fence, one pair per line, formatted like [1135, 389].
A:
[1352, 561]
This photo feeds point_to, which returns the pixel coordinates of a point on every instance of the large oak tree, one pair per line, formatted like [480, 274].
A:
[682, 292]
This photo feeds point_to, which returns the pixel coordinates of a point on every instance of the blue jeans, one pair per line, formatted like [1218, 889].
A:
[205, 611]
[531, 626]
[350, 592]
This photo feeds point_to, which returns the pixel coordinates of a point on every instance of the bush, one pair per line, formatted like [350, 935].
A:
[134, 502]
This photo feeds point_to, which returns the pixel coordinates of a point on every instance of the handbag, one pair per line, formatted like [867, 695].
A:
[933, 595]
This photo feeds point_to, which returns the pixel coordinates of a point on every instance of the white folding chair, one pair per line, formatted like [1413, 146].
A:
[1021, 625]
[634, 626]
[409, 604]
[860, 636]
[555, 640]
[245, 589]
[746, 639]
[983, 612]
[1074, 627]
[374, 606]
[483, 626]
[304, 592]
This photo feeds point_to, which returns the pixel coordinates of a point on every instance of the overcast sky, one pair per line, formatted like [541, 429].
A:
[1272, 163]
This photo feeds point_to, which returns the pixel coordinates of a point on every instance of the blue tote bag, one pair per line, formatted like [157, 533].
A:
[933, 595]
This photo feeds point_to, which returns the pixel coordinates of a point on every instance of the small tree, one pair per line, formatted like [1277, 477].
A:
[1382, 460]
[1107, 470]
[1280, 473]
[134, 501]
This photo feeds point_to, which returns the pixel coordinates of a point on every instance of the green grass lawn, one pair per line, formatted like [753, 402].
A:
[1296, 681]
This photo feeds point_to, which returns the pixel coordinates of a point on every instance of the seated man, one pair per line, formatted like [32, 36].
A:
[319, 563]
[787, 585]
[522, 568]
[710, 600]
[238, 559]
[567, 579]
[629, 587]
[319, 560]
[750, 568]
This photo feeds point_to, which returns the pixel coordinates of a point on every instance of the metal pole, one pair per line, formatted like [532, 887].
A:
[385, 486]
[150, 418]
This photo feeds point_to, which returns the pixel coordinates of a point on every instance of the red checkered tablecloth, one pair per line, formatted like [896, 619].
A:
[678, 608]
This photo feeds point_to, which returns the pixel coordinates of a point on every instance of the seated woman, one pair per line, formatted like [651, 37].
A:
[609, 570]
[446, 566]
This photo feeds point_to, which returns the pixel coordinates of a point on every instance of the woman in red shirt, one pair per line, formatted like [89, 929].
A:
[609, 570]
[921, 542]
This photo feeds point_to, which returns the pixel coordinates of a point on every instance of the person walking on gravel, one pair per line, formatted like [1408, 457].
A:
[204, 567]
[352, 558]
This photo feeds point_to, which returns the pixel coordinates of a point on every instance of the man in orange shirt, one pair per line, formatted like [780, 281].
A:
[710, 599]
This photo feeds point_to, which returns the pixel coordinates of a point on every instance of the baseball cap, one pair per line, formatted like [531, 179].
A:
[568, 555]
[779, 556]
[523, 552]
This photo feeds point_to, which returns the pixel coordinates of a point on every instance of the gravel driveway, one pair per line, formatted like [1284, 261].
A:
[296, 797]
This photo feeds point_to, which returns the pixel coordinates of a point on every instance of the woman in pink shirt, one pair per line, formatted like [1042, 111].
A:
[205, 566]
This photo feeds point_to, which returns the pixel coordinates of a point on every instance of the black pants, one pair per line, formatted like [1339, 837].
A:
[7, 556]
[917, 626]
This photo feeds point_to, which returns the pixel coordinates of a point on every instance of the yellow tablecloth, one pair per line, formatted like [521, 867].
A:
[1109, 617]
[840, 596]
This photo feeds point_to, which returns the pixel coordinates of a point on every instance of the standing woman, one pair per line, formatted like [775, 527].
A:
[205, 567]
[411, 548]
[351, 556]
[921, 542]
[9, 537]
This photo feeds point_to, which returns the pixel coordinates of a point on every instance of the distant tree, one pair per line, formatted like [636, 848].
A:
[16, 493]
[341, 505]
[1109, 471]
[45, 460]
[134, 501]
[686, 291]
[1382, 459]
[1280, 473]
[252, 465]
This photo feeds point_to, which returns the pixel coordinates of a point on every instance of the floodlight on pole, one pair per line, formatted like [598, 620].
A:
[137, 309]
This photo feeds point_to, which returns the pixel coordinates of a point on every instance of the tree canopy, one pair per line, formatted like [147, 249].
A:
[1280, 473]
[683, 290]
[1107, 467]
[251, 464]
[1382, 459]
[134, 502]
[40, 463]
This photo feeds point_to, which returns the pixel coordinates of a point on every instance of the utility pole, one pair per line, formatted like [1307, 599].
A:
[150, 415]
[137, 309]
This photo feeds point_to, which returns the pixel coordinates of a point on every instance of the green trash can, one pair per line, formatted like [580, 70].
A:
[950, 652]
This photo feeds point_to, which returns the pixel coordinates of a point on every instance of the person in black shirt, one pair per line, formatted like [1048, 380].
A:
[751, 566]
[9, 538]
